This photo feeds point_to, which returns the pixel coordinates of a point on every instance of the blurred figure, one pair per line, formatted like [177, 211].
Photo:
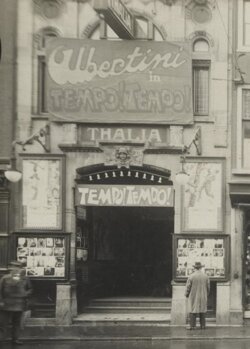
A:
[197, 290]
[15, 288]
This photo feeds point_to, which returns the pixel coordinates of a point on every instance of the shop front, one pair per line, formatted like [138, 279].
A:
[240, 200]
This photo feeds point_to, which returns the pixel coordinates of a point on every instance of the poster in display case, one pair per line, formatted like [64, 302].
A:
[203, 199]
[211, 250]
[42, 195]
[43, 255]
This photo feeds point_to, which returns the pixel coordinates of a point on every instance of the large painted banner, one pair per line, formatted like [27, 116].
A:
[125, 195]
[119, 81]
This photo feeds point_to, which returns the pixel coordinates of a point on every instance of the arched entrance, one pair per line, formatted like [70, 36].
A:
[125, 222]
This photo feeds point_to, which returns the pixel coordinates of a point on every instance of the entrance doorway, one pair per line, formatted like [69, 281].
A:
[129, 252]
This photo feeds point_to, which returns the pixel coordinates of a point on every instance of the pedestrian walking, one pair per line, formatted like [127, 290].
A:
[15, 288]
[197, 290]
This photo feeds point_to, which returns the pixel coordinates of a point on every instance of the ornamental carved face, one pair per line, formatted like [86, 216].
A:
[123, 155]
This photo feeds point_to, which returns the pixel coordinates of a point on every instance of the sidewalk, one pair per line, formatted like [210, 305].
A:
[114, 333]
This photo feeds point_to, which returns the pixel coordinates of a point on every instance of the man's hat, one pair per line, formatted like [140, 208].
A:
[16, 264]
[198, 265]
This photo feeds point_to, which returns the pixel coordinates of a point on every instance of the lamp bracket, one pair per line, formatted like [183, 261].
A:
[42, 137]
[196, 141]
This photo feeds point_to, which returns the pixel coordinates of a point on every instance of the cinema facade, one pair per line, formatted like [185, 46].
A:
[98, 213]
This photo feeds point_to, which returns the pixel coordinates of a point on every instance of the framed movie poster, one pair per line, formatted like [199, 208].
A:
[203, 196]
[42, 193]
[43, 255]
[211, 250]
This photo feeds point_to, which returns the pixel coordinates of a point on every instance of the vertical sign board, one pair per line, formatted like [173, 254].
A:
[118, 16]
[119, 81]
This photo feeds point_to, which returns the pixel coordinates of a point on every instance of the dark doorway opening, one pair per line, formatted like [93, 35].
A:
[129, 252]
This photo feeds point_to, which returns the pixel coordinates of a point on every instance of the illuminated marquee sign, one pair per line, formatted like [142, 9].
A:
[125, 81]
[125, 195]
[117, 16]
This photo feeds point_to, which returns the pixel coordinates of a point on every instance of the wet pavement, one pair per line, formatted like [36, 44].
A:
[141, 344]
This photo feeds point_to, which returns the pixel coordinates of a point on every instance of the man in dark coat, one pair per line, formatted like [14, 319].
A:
[197, 290]
[15, 288]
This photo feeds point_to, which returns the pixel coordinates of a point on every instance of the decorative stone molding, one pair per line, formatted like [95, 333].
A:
[49, 8]
[37, 37]
[199, 11]
[201, 34]
[91, 26]
[75, 148]
[190, 3]
[123, 156]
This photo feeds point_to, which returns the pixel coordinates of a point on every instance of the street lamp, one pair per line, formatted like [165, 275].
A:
[182, 176]
[12, 174]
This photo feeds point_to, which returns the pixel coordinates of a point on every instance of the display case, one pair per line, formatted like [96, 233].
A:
[43, 255]
[42, 192]
[211, 250]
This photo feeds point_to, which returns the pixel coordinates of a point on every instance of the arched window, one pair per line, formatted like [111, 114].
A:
[201, 73]
[42, 39]
[200, 45]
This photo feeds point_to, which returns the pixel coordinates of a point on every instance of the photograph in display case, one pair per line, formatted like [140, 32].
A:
[42, 256]
[212, 251]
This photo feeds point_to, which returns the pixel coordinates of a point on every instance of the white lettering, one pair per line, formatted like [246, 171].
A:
[162, 197]
[93, 199]
[61, 60]
[123, 134]
[119, 134]
[83, 192]
[105, 133]
[126, 196]
[105, 197]
[154, 136]
[93, 132]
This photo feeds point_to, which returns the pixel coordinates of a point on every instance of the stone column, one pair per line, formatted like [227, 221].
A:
[178, 310]
[223, 303]
[236, 307]
[63, 304]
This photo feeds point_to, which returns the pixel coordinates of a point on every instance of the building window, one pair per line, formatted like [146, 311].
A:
[200, 45]
[243, 127]
[201, 87]
[201, 69]
[246, 23]
[42, 82]
[43, 38]
[243, 25]
[245, 102]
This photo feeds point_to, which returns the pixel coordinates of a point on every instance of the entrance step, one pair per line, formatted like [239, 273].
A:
[126, 311]
[125, 319]
[129, 305]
